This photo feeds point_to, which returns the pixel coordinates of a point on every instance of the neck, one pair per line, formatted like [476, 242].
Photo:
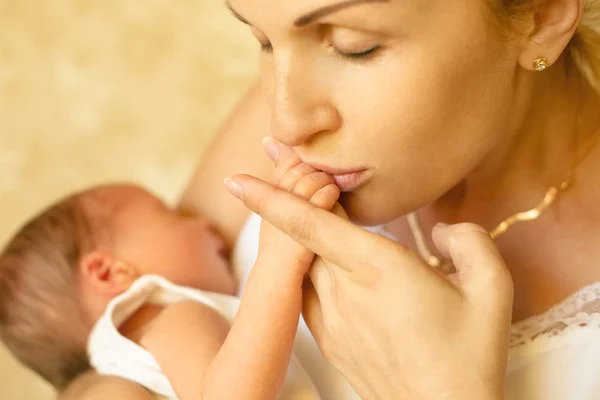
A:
[553, 123]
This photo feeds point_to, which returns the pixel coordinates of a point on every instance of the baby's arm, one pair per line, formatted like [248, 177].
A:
[260, 342]
[201, 359]
[91, 386]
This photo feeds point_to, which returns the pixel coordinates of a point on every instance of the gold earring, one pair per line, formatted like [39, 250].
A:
[540, 64]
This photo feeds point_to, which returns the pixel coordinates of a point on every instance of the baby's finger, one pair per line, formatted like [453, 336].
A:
[310, 184]
[284, 158]
[291, 177]
[326, 197]
[319, 230]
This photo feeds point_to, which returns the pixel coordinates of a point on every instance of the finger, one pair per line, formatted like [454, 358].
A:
[310, 184]
[271, 147]
[291, 177]
[481, 270]
[294, 254]
[326, 197]
[318, 230]
[283, 257]
[284, 158]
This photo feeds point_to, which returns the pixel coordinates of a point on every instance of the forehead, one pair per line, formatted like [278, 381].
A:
[295, 12]
[293, 16]
[112, 200]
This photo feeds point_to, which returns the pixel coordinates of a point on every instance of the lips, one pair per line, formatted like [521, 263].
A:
[221, 247]
[223, 252]
[347, 180]
[351, 181]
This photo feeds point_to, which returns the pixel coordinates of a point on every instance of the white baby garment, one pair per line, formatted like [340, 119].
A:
[113, 354]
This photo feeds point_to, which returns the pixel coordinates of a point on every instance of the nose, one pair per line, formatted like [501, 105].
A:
[300, 106]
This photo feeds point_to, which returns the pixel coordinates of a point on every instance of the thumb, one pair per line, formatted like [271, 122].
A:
[481, 272]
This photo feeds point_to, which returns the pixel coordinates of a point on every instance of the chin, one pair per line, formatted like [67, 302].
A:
[371, 208]
[365, 211]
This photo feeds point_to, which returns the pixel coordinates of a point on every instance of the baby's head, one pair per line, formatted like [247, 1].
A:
[59, 272]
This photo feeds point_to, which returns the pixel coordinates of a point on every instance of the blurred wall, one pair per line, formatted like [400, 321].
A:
[99, 90]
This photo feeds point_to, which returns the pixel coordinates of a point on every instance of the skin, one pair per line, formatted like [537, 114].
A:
[236, 147]
[326, 121]
[496, 137]
[503, 135]
[268, 314]
[445, 89]
[355, 285]
[227, 154]
[144, 236]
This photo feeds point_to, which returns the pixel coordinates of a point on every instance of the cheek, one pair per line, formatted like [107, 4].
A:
[266, 78]
[199, 250]
[428, 105]
[423, 90]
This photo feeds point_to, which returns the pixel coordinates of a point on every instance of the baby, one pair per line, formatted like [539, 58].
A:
[113, 279]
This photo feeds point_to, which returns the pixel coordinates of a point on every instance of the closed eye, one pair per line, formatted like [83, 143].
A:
[363, 55]
[360, 55]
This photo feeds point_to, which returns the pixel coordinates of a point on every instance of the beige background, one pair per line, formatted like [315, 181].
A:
[101, 90]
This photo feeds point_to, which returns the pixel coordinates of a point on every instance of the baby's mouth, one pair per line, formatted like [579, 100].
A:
[222, 250]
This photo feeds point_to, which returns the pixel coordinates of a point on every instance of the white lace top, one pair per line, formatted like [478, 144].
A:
[580, 310]
[552, 356]
[556, 355]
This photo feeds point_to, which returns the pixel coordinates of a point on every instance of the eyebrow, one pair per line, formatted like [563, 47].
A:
[314, 15]
[327, 10]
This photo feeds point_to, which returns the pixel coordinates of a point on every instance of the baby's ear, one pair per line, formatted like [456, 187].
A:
[105, 273]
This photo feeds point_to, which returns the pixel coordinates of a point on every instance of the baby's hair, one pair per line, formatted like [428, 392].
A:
[41, 320]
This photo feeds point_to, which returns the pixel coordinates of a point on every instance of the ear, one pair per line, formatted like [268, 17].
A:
[553, 26]
[106, 274]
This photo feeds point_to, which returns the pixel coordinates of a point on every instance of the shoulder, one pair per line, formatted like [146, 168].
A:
[189, 315]
[235, 148]
[92, 386]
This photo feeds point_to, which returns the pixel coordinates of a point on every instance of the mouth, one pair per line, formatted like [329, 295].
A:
[223, 252]
[347, 180]
[222, 249]
[351, 181]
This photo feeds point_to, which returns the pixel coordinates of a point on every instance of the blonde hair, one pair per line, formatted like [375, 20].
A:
[584, 48]
[585, 45]
[41, 321]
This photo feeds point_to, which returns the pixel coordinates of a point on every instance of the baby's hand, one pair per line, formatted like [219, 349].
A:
[308, 183]
[260, 341]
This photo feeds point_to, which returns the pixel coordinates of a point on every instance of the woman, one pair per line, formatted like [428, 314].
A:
[426, 113]
[460, 111]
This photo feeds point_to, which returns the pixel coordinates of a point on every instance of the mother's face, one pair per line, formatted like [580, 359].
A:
[415, 92]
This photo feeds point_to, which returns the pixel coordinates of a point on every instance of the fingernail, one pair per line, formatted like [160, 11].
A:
[441, 225]
[234, 188]
[271, 147]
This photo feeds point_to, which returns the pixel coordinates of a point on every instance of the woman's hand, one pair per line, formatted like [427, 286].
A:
[393, 326]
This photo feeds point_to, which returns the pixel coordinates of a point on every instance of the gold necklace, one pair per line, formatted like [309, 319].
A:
[523, 216]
